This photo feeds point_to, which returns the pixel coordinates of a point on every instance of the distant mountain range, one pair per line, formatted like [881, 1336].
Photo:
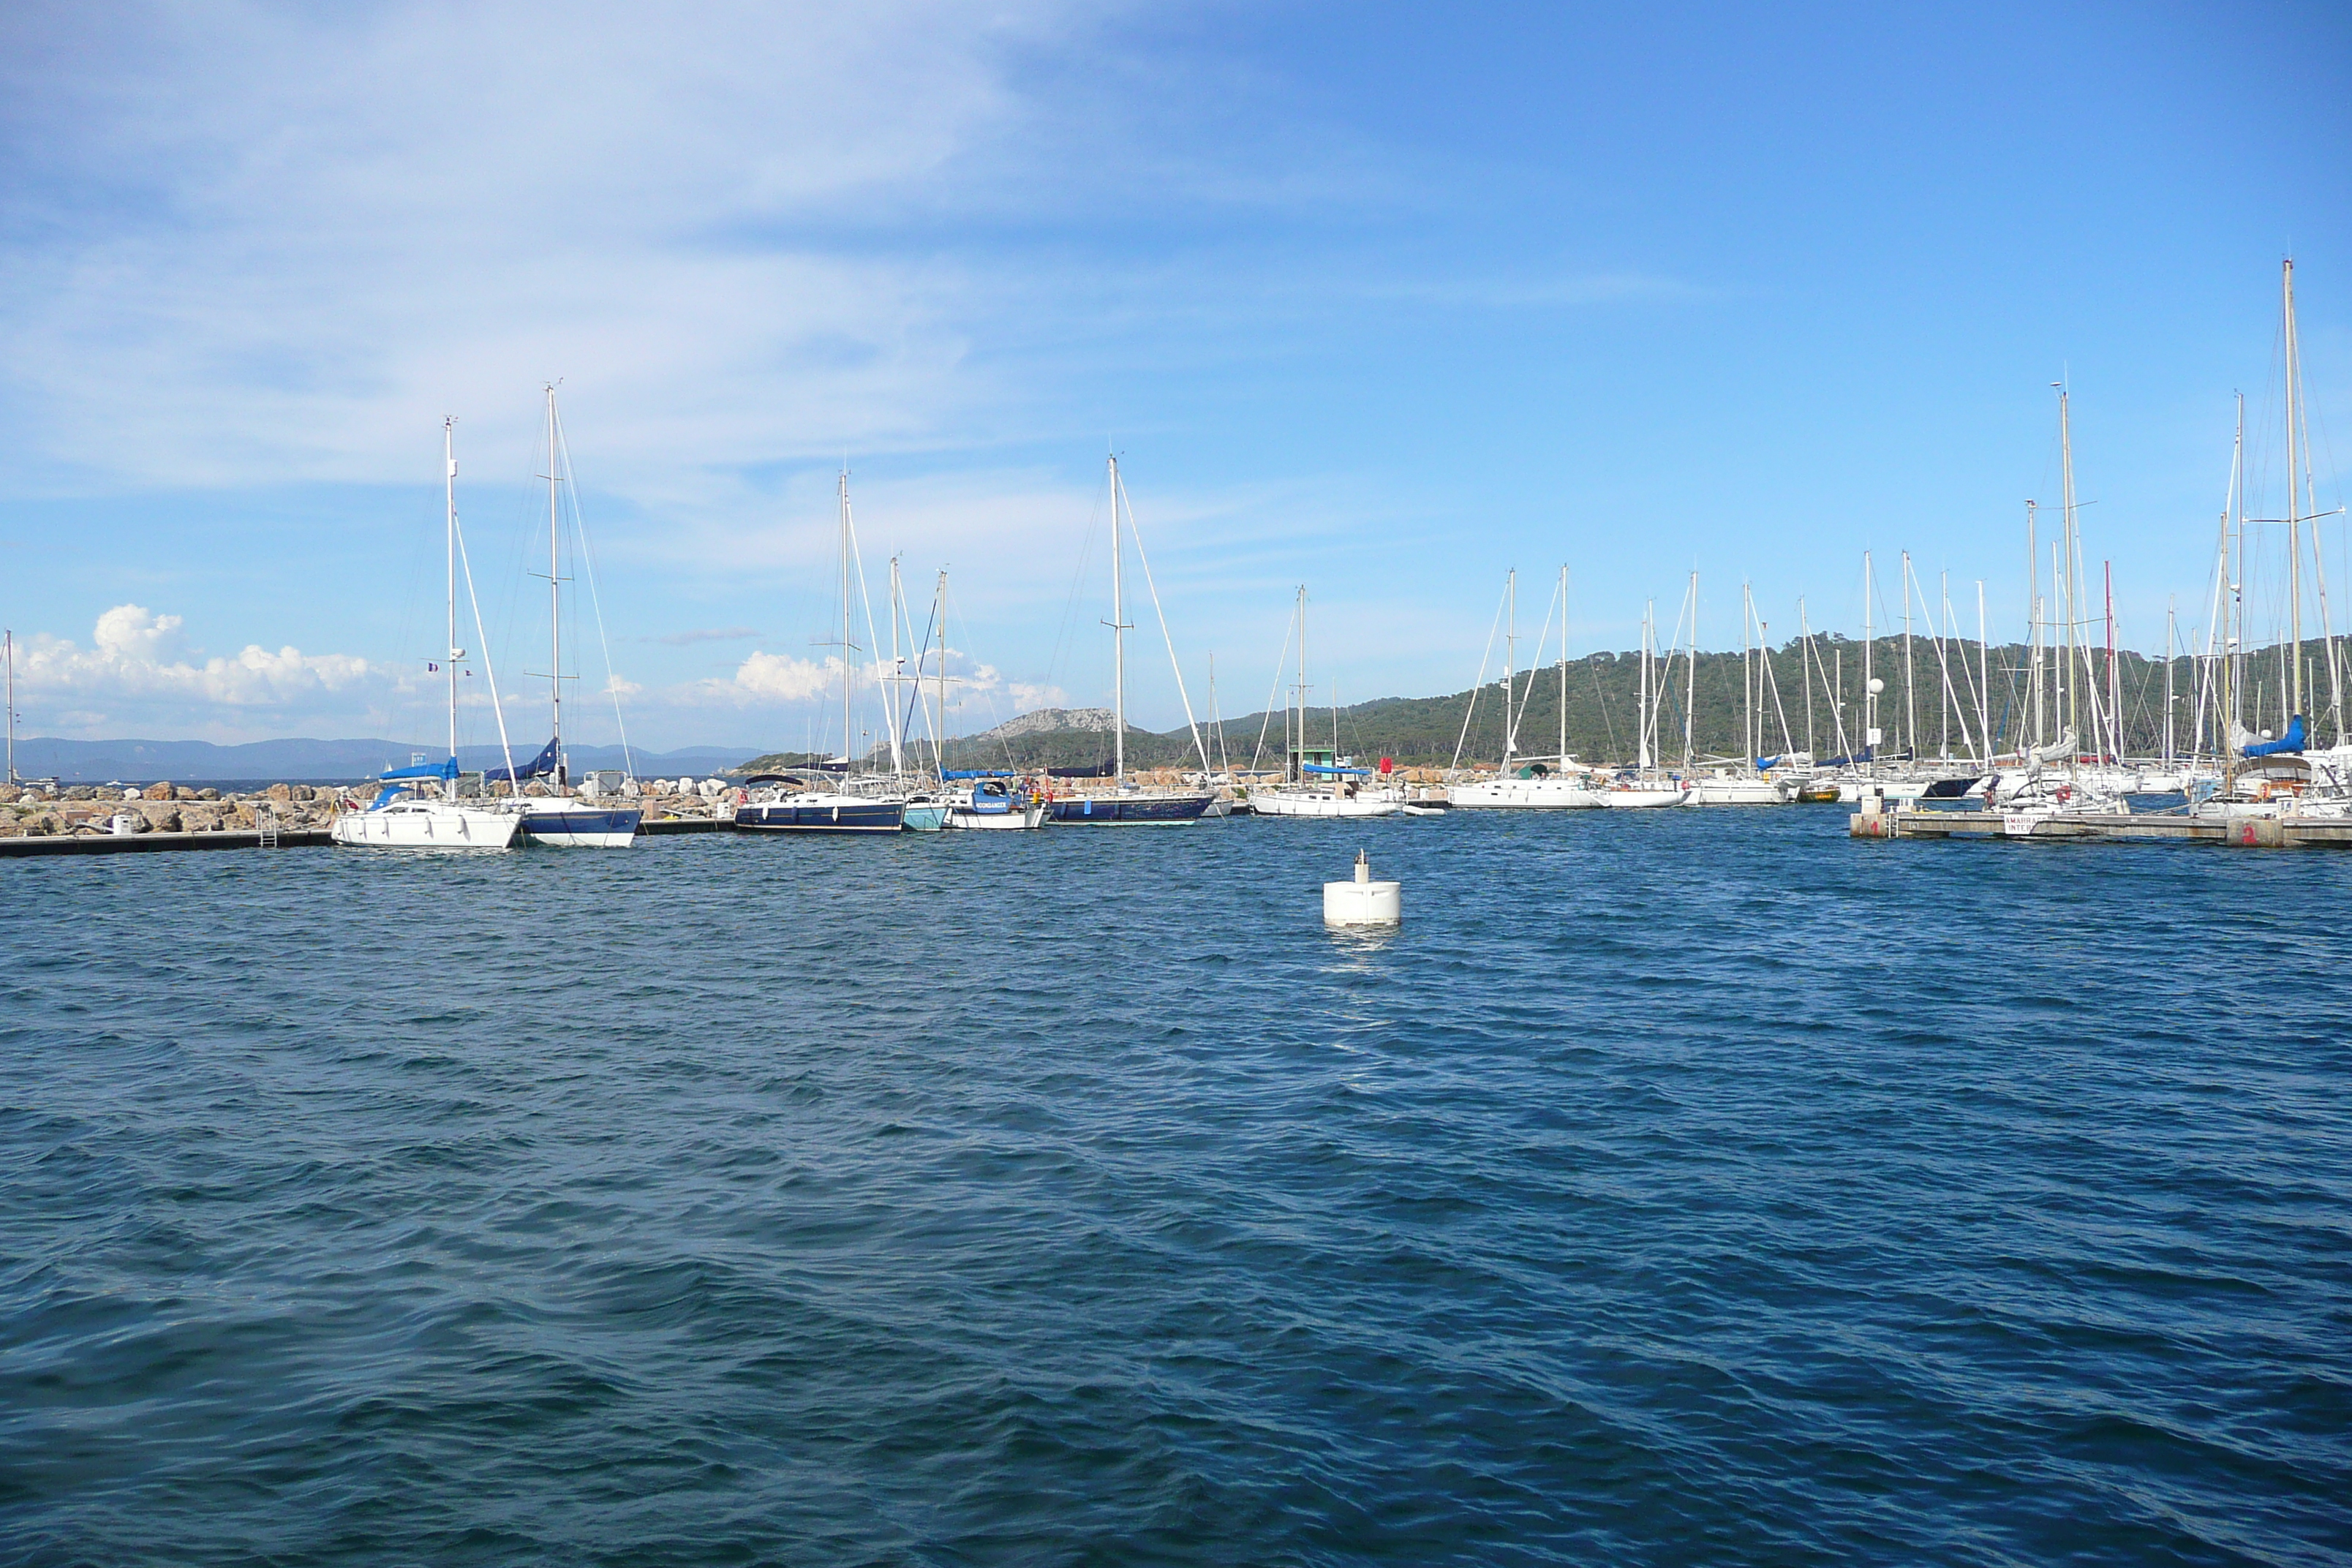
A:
[313, 761]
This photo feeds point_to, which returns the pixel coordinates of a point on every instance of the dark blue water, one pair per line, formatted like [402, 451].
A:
[1677, 1187]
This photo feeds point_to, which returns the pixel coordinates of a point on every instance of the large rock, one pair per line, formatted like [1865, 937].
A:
[161, 816]
[279, 792]
[80, 792]
[159, 792]
[208, 795]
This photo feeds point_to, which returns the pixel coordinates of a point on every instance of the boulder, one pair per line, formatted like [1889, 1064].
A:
[80, 792]
[279, 792]
[161, 816]
[208, 795]
[158, 792]
[184, 792]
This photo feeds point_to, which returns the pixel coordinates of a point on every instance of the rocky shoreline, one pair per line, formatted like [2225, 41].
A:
[95, 810]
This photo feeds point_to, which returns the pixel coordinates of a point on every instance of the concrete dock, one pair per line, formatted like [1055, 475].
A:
[2244, 832]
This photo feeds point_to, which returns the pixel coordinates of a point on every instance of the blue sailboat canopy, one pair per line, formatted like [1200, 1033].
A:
[1329, 772]
[538, 767]
[1867, 754]
[2287, 745]
[975, 773]
[445, 771]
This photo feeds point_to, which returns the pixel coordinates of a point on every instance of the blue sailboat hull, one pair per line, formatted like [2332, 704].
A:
[847, 816]
[1111, 810]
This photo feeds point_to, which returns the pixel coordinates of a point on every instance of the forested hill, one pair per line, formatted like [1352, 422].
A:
[1604, 710]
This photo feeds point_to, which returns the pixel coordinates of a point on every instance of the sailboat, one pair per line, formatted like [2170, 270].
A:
[1335, 788]
[1646, 786]
[1126, 802]
[969, 799]
[1560, 783]
[828, 798]
[1749, 781]
[402, 816]
[561, 819]
[2286, 775]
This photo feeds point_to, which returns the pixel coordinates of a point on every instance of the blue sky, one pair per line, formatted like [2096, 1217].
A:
[1383, 300]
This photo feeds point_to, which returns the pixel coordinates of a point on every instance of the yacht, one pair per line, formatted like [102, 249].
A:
[402, 816]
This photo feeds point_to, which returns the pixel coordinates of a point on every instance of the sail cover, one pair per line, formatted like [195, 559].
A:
[447, 772]
[2286, 745]
[538, 767]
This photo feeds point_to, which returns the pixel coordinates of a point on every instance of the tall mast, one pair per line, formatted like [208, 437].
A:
[2074, 565]
[1641, 731]
[1747, 679]
[1805, 641]
[1510, 664]
[1118, 640]
[2034, 623]
[1910, 701]
[9, 640]
[554, 596]
[449, 495]
[1869, 698]
[1984, 678]
[2234, 614]
[1303, 689]
[940, 735]
[2294, 510]
[846, 662]
[2115, 691]
[897, 673]
[1564, 668]
[2168, 699]
[1690, 674]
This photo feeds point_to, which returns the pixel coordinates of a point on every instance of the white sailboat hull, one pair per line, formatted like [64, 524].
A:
[1304, 802]
[427, 825]
[966, 820]
[1736, 792]
[1526, 794]
[1643, 797]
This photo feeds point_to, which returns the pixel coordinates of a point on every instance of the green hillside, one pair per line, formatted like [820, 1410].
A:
[1603, 710]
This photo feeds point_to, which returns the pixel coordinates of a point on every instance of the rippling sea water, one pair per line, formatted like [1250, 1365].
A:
[1675, 1187]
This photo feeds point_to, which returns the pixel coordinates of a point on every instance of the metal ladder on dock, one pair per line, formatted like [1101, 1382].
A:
[265, 822]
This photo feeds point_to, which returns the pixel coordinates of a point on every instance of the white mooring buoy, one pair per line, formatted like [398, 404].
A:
[1362, 902]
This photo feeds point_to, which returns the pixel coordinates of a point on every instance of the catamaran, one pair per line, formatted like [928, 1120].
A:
[402, 816]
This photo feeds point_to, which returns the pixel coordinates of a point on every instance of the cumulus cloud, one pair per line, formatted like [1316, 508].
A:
[140, 674]
[137, 656]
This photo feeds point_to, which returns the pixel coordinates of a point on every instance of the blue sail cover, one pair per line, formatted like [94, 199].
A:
[1321, 771]
[2287, 745]
[445, 771]
[975, 773]
[1868, 753]
[538, 767]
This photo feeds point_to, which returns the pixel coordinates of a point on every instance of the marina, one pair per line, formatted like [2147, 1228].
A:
[682, 884]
